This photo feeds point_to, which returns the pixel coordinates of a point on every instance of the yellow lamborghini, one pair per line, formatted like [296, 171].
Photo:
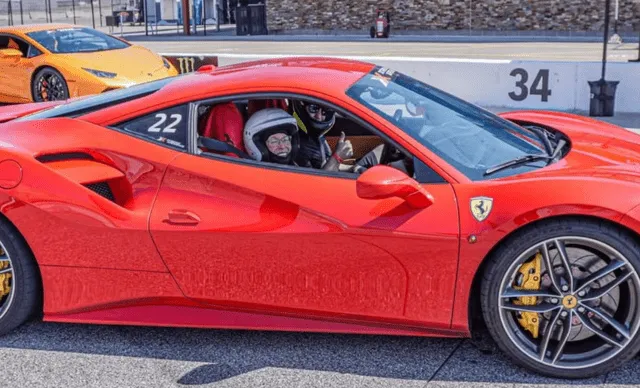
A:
[50, 62]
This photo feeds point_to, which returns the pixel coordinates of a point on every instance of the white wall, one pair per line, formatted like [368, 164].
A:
[489, 82]
[169, 9]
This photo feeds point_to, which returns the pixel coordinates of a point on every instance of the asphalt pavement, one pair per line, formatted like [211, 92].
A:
[71, 355]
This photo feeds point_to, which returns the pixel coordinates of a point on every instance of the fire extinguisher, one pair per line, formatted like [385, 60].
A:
[379, 27]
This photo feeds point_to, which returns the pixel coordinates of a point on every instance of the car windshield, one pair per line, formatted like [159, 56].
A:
[468, 137]
[76, 40]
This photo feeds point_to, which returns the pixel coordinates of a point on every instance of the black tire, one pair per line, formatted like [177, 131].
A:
[501, 265]
[26, 287]
[53, 81]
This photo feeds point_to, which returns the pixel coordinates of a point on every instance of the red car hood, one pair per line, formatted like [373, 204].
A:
[12, 112]
[598, 149]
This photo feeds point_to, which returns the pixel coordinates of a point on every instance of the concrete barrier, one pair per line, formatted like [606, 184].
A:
[506, 84]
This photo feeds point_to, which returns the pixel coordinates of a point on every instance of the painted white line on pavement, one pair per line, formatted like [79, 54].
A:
[356, 57]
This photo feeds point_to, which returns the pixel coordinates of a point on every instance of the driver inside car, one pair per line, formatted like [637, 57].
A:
[271, 135]
[314, 122]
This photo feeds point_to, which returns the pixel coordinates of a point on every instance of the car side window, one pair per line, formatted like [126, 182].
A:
[33, 52]
[275, 132]
[8, 41]
[425, 174]
[167, 126]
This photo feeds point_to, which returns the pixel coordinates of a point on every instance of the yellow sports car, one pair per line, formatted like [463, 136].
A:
[50, 62]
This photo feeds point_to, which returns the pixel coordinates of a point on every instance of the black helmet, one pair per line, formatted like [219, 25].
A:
[261, 126]
[313, 127]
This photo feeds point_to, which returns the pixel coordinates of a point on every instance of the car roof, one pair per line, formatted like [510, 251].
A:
[326, 75]
[27, 28]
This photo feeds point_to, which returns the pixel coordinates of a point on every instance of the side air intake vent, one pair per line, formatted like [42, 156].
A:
[64, 156]
[101, 188]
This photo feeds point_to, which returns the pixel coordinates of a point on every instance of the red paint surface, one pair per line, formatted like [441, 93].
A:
[11, 112]
[10, 174]
[76, 290]
[200, 242]
[163, 313]
[69, 225]
[277, 241]
[85, 171]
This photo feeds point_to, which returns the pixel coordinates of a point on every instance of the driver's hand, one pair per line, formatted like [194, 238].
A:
[344, 149]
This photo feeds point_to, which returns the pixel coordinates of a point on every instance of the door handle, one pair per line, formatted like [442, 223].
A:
[182, 217]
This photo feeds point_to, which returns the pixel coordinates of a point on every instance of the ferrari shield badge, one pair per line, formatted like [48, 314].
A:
[481, 207]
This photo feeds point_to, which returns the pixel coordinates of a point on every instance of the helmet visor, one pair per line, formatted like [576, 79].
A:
[318, 113]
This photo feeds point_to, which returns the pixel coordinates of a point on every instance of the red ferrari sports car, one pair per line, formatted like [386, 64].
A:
[177, 203]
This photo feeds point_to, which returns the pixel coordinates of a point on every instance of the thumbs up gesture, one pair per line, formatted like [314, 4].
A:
[344, 149]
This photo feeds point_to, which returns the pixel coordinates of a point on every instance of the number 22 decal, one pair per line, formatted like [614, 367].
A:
[171, 128]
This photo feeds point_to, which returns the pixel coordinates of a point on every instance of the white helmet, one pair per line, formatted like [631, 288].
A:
[265, 123]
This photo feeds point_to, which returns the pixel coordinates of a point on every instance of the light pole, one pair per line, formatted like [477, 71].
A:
[603, 92]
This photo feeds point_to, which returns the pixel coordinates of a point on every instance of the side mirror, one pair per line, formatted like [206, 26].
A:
[381, 182]
[10, 53]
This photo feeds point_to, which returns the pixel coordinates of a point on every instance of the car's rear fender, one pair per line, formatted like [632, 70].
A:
[12, 112]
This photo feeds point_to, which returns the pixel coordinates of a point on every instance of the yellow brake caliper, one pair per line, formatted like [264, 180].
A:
[530, 281]
[5, 287]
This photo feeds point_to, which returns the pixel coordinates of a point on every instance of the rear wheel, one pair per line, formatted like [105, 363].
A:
[563, 298]
[49, 85]
[20, 292]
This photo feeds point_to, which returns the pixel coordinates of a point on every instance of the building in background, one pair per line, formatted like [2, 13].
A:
[201, 10]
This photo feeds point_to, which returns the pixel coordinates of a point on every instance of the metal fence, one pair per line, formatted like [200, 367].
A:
[15, 12]
[105, 13]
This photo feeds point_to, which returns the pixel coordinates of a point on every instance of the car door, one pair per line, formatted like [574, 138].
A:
[243, 234]
[14, 71]
[5, 89]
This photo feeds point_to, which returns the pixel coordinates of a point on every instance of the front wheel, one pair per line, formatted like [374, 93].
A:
[20, 284]
[563, 298]
[49, 85]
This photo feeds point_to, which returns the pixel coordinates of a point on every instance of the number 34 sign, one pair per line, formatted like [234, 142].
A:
[524, 89]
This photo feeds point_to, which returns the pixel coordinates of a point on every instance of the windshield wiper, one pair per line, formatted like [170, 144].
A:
[517, 161]
[559, 146]
[544, 136]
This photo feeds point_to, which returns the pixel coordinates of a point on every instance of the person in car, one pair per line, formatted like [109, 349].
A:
[271, 135]
[314, 121]
[374, 157]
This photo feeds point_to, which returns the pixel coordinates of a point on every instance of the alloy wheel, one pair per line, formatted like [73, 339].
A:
[570, 302]
[49, 87]
[7, 282]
